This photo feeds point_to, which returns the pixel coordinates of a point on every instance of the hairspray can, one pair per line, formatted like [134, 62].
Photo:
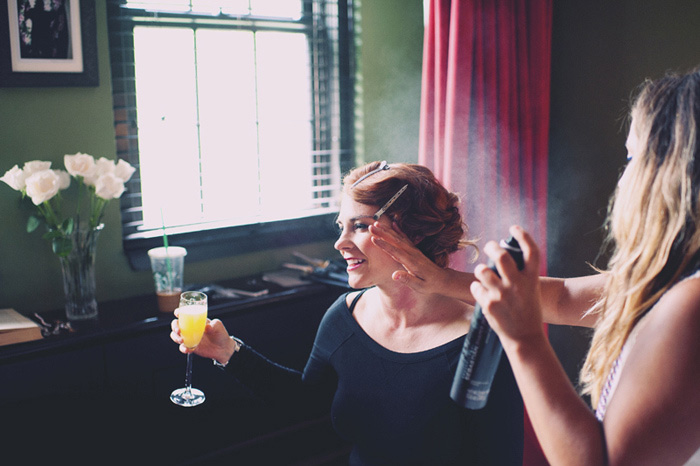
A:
[482, 350]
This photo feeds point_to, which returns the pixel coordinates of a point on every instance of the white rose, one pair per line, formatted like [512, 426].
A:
[80, 164]
[124, 170]
[63, 179]
[108, 186]
[103, 166]
[35, 166]
[15, 178]
[42, 186]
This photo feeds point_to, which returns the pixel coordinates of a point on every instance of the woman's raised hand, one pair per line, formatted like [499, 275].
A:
[511, 303]
[420, 273]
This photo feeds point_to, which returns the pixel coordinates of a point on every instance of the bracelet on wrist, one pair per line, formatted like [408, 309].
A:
[238, 344]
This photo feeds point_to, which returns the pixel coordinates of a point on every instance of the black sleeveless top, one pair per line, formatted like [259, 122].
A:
[395, 408]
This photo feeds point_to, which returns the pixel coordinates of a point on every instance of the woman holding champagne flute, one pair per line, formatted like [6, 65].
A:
[385, 355]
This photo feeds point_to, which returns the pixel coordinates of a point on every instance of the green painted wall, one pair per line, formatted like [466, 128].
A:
[46, 123]
[391, 65]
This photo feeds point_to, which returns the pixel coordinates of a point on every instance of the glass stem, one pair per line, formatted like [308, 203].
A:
[188, 374]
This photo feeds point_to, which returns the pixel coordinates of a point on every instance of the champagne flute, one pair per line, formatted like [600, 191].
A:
[192, 318]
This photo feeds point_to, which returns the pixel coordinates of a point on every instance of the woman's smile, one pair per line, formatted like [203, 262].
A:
[353, 263]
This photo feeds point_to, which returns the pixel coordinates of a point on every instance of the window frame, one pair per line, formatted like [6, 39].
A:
[207, 244]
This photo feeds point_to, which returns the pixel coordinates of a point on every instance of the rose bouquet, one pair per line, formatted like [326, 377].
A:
[98, 182]
[73, 236]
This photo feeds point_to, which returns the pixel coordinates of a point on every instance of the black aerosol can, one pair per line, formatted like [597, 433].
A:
[482, 350]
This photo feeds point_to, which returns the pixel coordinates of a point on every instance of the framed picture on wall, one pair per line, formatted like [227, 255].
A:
[48, 43]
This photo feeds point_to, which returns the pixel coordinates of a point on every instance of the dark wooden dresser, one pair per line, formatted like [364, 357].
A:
[100, 395]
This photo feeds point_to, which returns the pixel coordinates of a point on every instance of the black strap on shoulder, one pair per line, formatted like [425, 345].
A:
[354, 300]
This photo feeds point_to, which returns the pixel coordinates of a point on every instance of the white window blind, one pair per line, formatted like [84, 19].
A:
[235, 112]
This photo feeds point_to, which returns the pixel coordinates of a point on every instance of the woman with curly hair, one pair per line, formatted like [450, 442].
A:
[385, 355]
[643, 368]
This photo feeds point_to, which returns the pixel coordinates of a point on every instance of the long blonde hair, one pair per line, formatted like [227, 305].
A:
[653, 218]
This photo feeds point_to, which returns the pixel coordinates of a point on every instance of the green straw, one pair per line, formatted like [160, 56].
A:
[167, 257]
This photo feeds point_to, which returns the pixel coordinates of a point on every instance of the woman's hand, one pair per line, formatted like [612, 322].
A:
[420, 273]
[511, 303]
[216, 342]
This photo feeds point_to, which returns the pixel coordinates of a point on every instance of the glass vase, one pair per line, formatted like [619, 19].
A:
[78, 269]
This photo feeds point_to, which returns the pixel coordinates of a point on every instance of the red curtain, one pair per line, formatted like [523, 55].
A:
[485, 111]
[484, 122]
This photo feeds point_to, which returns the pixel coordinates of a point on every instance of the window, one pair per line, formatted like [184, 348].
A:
[238, 115]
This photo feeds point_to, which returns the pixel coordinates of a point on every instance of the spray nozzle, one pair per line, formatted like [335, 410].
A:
[513, 247]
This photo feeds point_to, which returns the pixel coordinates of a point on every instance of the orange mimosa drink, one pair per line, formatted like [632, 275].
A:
[192, 320]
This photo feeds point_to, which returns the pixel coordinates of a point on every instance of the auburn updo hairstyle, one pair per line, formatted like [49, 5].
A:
[426, 212]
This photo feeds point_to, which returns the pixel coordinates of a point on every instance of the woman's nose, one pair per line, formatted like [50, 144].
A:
[343, 242]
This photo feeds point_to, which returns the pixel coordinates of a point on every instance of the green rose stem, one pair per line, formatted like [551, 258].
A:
[48, 213]
[97, 210]
[59, 233]
[81, 184]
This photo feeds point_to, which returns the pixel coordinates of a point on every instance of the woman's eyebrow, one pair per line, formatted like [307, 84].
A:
[361, 216]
